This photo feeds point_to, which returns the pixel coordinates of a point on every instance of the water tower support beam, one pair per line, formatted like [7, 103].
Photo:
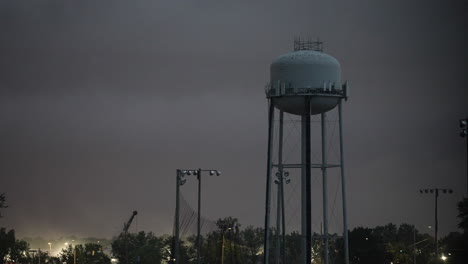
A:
[306, 232]
[283, 218]
[280, 196]
[308, 191]
[325, 187]
[343, 186]
[266, 242]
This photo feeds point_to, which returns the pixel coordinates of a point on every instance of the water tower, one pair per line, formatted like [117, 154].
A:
[305, 82]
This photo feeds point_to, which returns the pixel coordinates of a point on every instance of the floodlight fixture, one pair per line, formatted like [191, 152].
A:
[212, 173]
[463, 123]
[464, 127]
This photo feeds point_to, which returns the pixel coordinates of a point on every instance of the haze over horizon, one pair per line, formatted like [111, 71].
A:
[101, 102]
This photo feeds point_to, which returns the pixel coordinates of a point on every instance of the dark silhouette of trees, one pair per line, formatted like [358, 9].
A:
[385, 244]
[7, 241]
[12, 248]
[87, 253]
[2, 203]
[143, 248]
[252, 243]
[463, 213]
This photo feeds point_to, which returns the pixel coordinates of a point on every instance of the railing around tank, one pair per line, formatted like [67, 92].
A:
[327, 90]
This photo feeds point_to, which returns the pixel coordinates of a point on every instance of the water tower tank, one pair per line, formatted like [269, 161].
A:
[305, 81]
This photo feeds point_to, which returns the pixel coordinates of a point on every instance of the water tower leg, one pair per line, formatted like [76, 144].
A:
[306, 232]
[343, 187]
[309, 192]
[303, 192]
[266, 245]
[325, 188]
[280, 165]
[279, 204]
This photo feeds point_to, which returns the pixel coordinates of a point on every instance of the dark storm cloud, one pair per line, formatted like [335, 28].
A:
[102, 100]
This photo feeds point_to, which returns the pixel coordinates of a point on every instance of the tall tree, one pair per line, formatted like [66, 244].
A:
[143, 248]
[252, 239]
[2, 203]
[463, 214]
[17, 251]
[7, 241]
[84, 254]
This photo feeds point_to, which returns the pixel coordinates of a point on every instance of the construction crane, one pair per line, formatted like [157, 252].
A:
[125, 231]
[129, 222]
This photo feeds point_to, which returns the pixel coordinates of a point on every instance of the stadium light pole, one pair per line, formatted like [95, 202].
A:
[179, 182]
[436, 191]
[464, 134]
[197, 173]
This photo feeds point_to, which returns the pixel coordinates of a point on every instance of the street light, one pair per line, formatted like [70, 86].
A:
[181, 181]
[436, 193]
[50, 247]
[443, 257]
[222, 245]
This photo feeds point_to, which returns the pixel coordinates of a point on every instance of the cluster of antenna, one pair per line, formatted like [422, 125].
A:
[301, 44]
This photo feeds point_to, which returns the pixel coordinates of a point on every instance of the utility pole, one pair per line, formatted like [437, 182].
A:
[464, 134]
[436, 192]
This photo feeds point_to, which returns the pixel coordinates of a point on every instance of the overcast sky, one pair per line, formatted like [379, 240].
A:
[101, 101]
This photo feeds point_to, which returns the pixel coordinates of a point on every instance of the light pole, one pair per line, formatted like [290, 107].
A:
[50, 248]
[180, 175]
[436, 191]
[222, 245]
[179, 182]
[282, 177]
[464, 134]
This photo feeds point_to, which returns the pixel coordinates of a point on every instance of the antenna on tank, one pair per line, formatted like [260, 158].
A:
[300, 44]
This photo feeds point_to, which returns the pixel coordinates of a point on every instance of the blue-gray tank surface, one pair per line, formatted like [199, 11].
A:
[304, 77]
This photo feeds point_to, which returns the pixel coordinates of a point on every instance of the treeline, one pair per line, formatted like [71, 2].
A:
[232, 244]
